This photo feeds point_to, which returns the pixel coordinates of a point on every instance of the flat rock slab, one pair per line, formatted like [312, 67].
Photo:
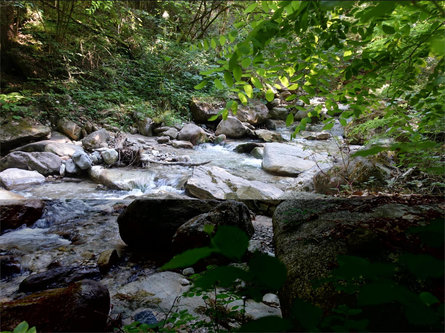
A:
[14, 133]
[212, 182]
[287, 160]
[14, 178]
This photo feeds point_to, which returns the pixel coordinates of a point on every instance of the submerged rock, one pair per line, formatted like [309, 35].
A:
[57, 277]
[286, 160]
[81, 307]
[15, 212]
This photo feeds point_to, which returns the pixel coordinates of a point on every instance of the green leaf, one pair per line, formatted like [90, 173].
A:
[224, 276]
[249, 90]
[270, 95]
[387, 29]
[289, 119]
[305, 99]
[381, 293]
[21, 328]
[201, 85]
[250, 8]
[309, 90]
[218, 84]
[188, 258]
[246, 62]
[222, 40]
[237, 72]
[428, 299]
[209, 228]
[230, 241]
[293, 86]
[347, 53]
[242, 98]
[328, 126]
[423, 266]
[213, 43]
[267, 271]
[307, 315]
[256, 83]
[228, 78]
[371, 151]
[291, 98]
[284, 81]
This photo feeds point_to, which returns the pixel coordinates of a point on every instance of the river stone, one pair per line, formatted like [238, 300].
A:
[286, 160]
[107, 259]
[70, 128]
[273, 125]
[192, 133]
[62, 149]
[110, 156]
[212, 182]
[258, 152]
[96, 139]
[17, 211]
[310, 233]
[232, 128]
[14, 178]
[151, 223]
[201, 111]
[171, 132]
[81, 307]
[163, 139]
[324, 135]
[44, 162]
[247, 147]
[220, 139]
[271, 299]
[14, 133]
[145, 126]
[82, 160]
[268, 136]
[57, 278]
[181, 144]
[9, 265]
[279, 113]
[255, 113]
[192, 234]
[71, 167]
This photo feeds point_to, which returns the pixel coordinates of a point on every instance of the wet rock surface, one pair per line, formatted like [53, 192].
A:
[16, 212]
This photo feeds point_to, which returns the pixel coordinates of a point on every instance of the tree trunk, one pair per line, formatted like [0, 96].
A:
[6, 26]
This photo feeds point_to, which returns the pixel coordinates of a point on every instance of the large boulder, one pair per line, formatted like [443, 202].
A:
[14, 133]
[62, 149]
[192, 233]
[255, 113]
[45, 163]
[309, 234]
[279, 113]
[14, 178]
[202, 111]
[81, 307]
[15, 210]
[58, 277]
[110, 156]
[268, 136]
[192, 133]
[212, 182]
[232, 128]
[96, 139]
[286, 160]
[69, 128]
[82, 160]
[151, 223]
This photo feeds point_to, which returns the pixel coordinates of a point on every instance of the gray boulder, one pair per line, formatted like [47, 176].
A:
[14, 178]
[286, 160]
[255, 113]
[310, 233]
[202, 111]
[110, 156]
[145, 126]
[151, 223]
[192, 133]
[14, 133]
[192, 234]
[232, 128]
[96, 139]
[69, 128]
[71, 168]
[268, 136]
[82, 160]
[44, 162]
[181, 144]
[279, 113]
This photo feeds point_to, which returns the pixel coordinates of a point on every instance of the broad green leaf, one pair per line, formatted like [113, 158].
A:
[21, 328]
[218, 84]
[328, 126]
[284, 81]
[256, 83]
[230, 241]
[242, 98]
[213, 43]
[251, 8]
[246, 62]
[291, 98]
[224, 276]
[289, 119]
[206, 44]
[305, 99]
[188, 258]
[387, 29]
[270, 95]
[237, 72]
[309, 90]
[228, 78]
[234, 107]
[201, 85]
[370, 151]
[307, 315]
[267, 271]
[293, 86]
[428, 299]
[347, 53]
[423, 265]
[249, 91]
[222, 40]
